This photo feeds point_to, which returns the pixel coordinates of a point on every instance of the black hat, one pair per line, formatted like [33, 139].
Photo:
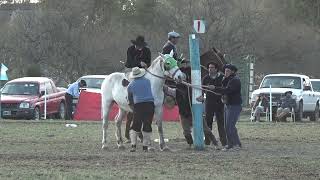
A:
[139, 41]
[290, 92]
[231, 67]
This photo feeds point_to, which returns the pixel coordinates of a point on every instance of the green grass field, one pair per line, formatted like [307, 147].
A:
[49, 150]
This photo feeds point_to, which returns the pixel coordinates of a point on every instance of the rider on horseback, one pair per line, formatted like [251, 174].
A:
[173, 38]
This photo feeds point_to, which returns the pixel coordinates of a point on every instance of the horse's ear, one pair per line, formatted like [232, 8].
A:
[160, 54]
[171, 53]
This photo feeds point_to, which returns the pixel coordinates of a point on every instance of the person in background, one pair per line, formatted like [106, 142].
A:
[73, 91]
[259, 107]
[142, 102]
[286, 105]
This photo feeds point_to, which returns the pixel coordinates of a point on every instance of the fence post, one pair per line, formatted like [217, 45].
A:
[197, 107]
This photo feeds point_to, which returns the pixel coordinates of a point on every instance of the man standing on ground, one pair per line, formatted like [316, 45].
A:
[73, 92]
[213, 104]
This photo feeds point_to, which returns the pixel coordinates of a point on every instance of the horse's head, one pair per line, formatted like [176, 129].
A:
[171, 68]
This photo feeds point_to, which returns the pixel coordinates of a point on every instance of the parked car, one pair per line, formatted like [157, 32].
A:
[93, 81]
[315, 84]
[24, 98]
[307, 100]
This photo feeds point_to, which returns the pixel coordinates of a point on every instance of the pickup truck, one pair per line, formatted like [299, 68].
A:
[307, 100]
[24, 98]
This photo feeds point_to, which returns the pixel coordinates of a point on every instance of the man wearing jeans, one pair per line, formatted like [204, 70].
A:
[231, 97]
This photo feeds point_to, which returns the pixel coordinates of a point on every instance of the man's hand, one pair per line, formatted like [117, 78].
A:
[212, 87]
[143, 64]
[200, 99]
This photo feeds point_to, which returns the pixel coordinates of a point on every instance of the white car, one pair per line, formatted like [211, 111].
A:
[94, 82]
[307, 100]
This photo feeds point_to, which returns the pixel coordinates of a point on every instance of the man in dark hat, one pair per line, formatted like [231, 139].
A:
[231, 97]
[286, 105]
[138, 55]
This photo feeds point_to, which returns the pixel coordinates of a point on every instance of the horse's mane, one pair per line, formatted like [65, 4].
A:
[154, 62]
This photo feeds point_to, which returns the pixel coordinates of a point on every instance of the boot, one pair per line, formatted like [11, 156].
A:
[189, 138]
[147, 141]
[133, 138]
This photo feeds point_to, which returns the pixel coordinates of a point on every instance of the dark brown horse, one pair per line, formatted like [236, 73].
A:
[213, 55]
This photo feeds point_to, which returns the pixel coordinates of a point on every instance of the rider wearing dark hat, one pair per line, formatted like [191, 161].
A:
[138, 55]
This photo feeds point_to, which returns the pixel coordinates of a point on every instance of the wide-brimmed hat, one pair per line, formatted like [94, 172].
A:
[137, 72]
[173, 34]
[231, 67]
[139, 41]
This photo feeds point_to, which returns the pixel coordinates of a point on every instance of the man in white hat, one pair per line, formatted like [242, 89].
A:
[142, 102]
[173, 38]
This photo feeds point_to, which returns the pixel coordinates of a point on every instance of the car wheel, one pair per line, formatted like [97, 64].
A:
[299, 114]
[62, 111]
[315, 115]
[36, 113]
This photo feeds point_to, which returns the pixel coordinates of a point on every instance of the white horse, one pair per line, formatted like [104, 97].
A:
[113, 91]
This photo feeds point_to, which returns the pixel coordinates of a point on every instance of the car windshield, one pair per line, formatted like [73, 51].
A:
[21, 88]
[93, 82]
[282, 82]
[316, 85]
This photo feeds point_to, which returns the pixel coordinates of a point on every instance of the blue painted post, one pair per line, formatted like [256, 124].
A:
[197, 108]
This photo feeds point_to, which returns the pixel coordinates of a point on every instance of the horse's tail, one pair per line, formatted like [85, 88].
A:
[106, 98]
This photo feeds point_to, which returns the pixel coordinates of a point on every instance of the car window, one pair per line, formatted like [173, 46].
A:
[93, 82]
[281, 82]
[21, 88]
[316, 85]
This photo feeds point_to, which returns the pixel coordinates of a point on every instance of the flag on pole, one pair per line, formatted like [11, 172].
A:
[3, 75]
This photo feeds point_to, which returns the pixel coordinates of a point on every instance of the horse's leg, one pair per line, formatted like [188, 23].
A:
[118, 121]
[158, 118]
[105, 113]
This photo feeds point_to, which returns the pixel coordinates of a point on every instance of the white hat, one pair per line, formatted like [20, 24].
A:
[173, 34]
[137, 72]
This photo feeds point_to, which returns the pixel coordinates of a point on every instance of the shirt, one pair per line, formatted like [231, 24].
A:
[73, 89]
[139, 90]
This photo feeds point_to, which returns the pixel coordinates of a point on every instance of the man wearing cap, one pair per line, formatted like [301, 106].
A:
[141, 100]
[138, 55]
[73, 92]
[259, 106]
[173, 38]
[286, 105]
[231, 97]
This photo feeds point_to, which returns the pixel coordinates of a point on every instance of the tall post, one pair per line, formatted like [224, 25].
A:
[197, 108]
[270, 99]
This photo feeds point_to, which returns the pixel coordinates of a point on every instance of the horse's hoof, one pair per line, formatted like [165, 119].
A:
[104, 147]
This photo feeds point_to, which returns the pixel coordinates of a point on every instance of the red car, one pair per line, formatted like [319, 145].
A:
[24, 98]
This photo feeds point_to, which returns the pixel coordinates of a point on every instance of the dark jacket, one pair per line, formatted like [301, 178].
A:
[183, 95]
[288, 102]
[231, 88]
[213, 100]
[134, 57]
[167, 49]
